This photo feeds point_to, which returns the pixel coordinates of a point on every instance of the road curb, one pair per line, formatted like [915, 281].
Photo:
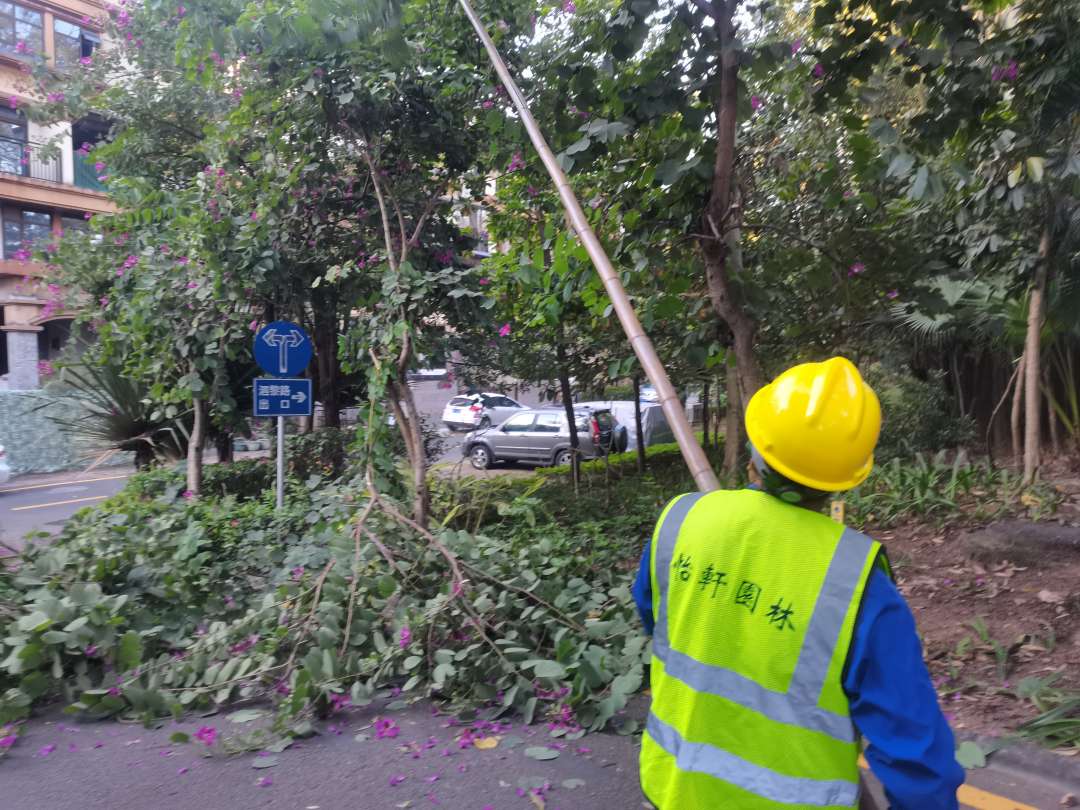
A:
[1029, 760]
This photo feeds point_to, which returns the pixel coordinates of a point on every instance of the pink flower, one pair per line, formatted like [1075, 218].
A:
[181, 11]
[20, 46]
[504, 330]
[856, 269]
[104, 301]
[265, 781]
[396, 780]
[86, 61]
[796, 46]
[45, 750]
[13, 102]
[819, 70]
[487, 104]
[484, 282]
[386, 729]
[405, 639]
[298, 572]
[891, 294]
[86, 215]
[182, 260]
[206, 735]
[188, 494]
[1006, 73]
[756, 103]
[254, 326]
[8, 741]
[99, 167]
[193, 285]
[254, 215]
[54, 98]
[516, 162]
[569, 7]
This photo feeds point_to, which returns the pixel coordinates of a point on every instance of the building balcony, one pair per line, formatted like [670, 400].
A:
[30, 160]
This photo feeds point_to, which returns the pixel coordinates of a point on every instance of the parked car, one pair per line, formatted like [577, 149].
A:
[542, 435]
[654, 425]
[648, 393]
[473, 411]
[5, 470]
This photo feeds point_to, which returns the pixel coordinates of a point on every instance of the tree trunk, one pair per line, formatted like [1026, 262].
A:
[732, 425]
[1033, 371]
[326, 359]
[223, 443]
[1051, 418]
[1014, 416]
[568, 405]
[639, 432]
[720, 245]
[408, 419]
[705, 414]
[195, 447]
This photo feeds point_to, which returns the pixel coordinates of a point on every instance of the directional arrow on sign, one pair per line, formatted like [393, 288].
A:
[283, 342]
[300, 397]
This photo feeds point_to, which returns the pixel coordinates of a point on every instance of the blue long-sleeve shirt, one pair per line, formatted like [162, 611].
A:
[910, 746]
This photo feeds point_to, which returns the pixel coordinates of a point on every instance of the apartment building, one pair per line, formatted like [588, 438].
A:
[40, 195]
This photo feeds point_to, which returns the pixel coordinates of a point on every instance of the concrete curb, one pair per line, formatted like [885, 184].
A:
[1027, 760]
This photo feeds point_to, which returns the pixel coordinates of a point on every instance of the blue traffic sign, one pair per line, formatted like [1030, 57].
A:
[282, 348]
[277, 396]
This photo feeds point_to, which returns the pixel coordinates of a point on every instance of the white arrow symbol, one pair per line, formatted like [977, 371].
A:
[284, 343]
[300, 396]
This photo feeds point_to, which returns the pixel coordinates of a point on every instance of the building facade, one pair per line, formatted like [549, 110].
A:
[40, 195]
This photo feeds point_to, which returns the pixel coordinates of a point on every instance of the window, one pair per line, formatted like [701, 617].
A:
[20, 24]
[461, 402]
[500, 402]
[23, 229]
[72, 42]
[73, 224]
[549, 423]
[13, 142]
[518, 423]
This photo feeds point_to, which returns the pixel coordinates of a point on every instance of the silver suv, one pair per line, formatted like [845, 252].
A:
[541, 435]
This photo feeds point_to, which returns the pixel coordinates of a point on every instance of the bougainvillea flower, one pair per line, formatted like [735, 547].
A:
[756, 103]
[405, 639]
[856, 269]
[504, 330]
[819, 70]
[206, 735]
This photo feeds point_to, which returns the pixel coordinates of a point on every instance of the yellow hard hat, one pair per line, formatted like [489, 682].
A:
[817, 424]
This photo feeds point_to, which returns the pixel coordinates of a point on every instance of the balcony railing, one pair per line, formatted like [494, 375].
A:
[26, 160]
[85, 176]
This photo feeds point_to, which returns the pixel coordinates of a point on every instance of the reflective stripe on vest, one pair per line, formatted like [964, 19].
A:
[708, 759]
[798, 706]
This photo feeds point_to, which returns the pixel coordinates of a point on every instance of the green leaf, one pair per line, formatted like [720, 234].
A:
[264, 762]
[971, 755]
[1015, 175]
[546, 669]
[34, 621]
[918, 188]
[578, 146]
[1036, 167]
[129, 651]
[541, 753]
[246, 715]
[901, 165]
[179, 738]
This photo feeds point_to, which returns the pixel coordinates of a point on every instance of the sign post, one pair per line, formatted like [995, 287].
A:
[283, 349]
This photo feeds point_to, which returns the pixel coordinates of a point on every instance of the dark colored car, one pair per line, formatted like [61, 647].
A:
[542, 435]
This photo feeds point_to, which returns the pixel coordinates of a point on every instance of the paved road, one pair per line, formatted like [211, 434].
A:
[61, 763]
[43, 502]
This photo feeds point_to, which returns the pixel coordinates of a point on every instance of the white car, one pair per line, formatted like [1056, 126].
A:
[5, 470]
[479, 411]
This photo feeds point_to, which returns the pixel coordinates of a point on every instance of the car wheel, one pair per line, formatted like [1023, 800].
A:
[485, 423]
[563, 458]
[480, 457]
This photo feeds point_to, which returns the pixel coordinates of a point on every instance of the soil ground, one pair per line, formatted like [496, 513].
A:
[995, 605]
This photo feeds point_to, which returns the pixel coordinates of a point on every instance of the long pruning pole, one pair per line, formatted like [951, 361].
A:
[684, 434]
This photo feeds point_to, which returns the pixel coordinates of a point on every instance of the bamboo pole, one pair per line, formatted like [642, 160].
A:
[646, 354]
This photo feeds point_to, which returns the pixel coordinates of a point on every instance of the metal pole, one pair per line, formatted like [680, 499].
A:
[684, 434]
[280, 462]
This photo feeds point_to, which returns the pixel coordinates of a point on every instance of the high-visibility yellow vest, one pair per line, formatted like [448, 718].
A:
[755, 602]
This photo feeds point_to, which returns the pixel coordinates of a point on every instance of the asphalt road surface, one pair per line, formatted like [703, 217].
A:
[60, 762]
[43, 502]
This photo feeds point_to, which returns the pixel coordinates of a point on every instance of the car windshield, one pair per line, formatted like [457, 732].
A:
[459, 402]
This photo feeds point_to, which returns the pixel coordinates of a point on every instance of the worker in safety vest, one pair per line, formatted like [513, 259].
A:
[778, 634]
